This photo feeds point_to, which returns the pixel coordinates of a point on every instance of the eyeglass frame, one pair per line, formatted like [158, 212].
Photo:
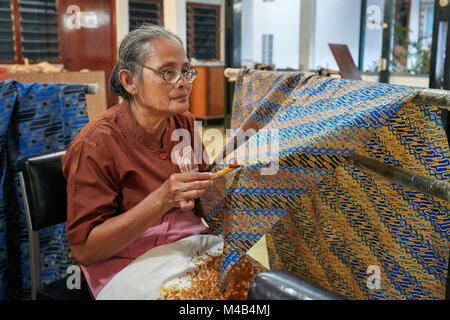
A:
[179, 73]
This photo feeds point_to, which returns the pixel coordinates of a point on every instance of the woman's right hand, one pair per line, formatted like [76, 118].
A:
[181, 189]
[103, 242]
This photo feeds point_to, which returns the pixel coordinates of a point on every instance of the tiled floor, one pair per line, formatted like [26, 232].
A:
[259, 250]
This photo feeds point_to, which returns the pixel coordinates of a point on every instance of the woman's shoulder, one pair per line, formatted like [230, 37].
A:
[99, 131]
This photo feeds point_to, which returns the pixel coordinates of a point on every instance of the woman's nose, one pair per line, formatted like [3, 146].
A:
[181, 82]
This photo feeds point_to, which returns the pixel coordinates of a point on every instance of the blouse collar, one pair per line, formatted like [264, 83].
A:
[128, 121]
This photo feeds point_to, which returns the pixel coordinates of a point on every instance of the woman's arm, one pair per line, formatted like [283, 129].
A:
[115, 234]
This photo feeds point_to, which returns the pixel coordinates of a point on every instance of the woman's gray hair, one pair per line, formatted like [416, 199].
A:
[134, 51]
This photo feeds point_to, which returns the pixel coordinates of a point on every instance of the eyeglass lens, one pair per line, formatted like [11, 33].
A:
[173, 76]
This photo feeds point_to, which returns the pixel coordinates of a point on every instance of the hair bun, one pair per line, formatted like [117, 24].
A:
[115, 86]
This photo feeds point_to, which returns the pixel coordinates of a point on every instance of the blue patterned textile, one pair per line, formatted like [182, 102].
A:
[324, 220]
[35, 119]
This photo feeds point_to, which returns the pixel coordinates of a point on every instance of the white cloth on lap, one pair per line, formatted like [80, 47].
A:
[159, 267]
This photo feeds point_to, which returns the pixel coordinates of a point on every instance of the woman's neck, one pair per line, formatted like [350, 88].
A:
[153, 122]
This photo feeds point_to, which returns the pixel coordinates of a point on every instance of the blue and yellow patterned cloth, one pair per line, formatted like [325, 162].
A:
[326, 221]
[35, 119]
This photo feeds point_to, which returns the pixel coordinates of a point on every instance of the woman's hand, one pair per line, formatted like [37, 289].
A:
[181, 189]
[234, 164]
[117, 233]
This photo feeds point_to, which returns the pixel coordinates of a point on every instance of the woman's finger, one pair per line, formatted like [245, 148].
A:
[187, 205]
[194, 176]
[192, 194]
[197, 185]
[234, 164]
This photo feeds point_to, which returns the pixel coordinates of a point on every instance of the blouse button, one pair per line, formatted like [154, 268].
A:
[163, 156]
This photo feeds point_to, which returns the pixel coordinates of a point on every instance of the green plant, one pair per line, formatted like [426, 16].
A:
[406, 50]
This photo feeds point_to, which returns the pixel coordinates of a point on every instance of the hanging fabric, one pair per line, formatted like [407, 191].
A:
[357, 235]
[35, 119]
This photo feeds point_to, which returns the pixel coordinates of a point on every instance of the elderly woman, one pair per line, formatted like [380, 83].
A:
[130, 219]
[125, 194]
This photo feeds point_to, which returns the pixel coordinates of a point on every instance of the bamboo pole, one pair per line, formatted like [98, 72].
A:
[230, 72]
[432, 97]
[415, 181]
[418, 182]
[91, 88]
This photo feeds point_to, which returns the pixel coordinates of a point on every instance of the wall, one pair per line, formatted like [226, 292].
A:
[279, 18]
[247, 33]
[307, 33]
[175, 18]
[337, 21]
[122, 21]
[374, 34]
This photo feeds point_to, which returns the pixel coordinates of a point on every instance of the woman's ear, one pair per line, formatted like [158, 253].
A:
[128, 81]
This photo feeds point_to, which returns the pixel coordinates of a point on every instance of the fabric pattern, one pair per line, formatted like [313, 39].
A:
[328, 222]
[35, 119]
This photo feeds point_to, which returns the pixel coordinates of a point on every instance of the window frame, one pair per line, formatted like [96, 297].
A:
[267, 47]
[161, 10]
[191, 40]
[17, 37]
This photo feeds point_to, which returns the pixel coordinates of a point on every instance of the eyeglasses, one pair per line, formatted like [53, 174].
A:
[172, 76]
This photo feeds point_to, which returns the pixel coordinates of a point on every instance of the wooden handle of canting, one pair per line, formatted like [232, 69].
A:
[223, 172]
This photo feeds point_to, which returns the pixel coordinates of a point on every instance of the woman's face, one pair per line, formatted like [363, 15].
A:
[154, 92]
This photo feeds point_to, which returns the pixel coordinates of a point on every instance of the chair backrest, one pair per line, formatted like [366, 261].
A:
[44, 190]
[45, 200]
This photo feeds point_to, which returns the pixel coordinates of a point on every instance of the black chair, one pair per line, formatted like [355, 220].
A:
[45, 199]
[283, 285]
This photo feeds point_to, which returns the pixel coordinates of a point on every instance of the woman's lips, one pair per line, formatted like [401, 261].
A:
[182, 98]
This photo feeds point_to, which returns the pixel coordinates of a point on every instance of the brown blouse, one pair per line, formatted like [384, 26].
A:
[113, 164]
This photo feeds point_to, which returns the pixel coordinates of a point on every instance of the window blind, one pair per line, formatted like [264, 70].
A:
[267, 49]
[7, 47]
[39, 30]
[202, 32]
[143, 12]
